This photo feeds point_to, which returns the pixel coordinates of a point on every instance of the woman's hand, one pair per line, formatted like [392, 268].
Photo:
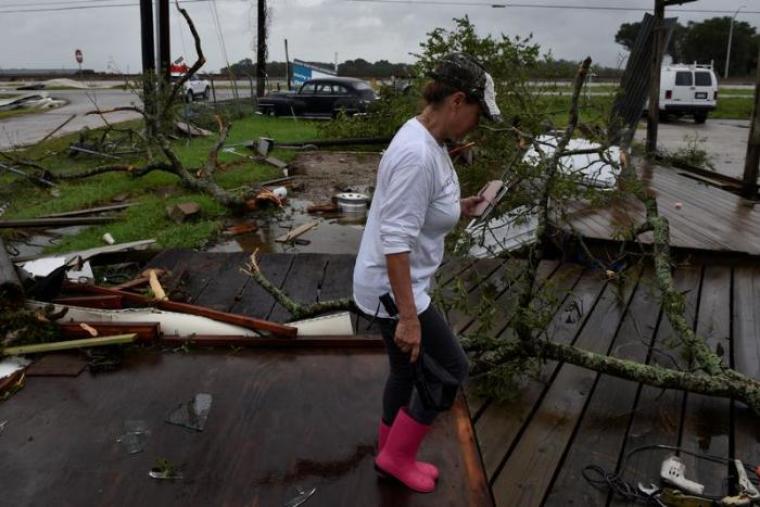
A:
[408, 336]
[468, 204]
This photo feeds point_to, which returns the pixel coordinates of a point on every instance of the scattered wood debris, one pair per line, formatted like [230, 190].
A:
[155, 286]
[183, 212]
[245, 228]
[298, 231]
[188, 129]
[69, 345]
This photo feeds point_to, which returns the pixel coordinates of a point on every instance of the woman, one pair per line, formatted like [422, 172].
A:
[416, 203]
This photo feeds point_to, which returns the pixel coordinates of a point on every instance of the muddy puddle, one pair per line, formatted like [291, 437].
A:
[336, 233]
[318, 176]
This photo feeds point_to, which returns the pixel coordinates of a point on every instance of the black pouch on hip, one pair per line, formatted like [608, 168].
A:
[436, 387]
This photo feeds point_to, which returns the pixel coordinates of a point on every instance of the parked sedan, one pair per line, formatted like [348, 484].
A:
[194, 88]
[322, 97]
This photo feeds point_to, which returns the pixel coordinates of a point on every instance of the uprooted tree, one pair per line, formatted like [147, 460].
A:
[545, 193]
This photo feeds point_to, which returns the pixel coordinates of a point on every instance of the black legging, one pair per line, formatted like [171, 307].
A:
[438, 342]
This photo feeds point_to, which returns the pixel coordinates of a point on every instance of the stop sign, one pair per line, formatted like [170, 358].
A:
[78, 55]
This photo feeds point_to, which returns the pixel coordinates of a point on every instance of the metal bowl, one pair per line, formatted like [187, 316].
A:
[352, 202]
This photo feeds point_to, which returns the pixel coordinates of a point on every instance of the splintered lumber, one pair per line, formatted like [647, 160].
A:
[298, 231]
[324, 143]
[55, 222]
[140, 281]
[276, 162]
[69, 345]
[155, 286]
[90, 211]
[146, 331]
[173, 306]
[184, 211]
[107, 302]
[276, 181]
[10, 285]
[189, 129]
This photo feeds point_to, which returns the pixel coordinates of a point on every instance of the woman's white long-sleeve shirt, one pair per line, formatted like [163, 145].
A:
[416, 203]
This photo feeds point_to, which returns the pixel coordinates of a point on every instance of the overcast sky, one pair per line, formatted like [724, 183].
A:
[315, 29]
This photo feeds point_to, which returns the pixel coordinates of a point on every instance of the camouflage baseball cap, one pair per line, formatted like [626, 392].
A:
[465, 73]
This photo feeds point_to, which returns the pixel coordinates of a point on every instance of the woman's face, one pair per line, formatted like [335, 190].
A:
[463, 116]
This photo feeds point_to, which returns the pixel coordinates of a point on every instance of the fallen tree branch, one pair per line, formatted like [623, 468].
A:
[100, 112]
[213, 157]
[297, 310]
[739, 387]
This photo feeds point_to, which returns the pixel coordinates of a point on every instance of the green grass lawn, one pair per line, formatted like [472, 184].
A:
[154, 192]
[17, 112]
[594, 109]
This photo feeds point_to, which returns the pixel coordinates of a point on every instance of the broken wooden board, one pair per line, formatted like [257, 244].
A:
[296, 232]
[109, 302]
[91, 211]
[188, 129]
[184, 211]
[38, 348]
[57, 365]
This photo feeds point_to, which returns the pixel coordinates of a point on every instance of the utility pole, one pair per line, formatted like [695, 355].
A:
[287, 64]
[658, 40]
[658, 50]
[148, 58]
[731, 40]
[752, 163]
[261, 49]
[163, 49]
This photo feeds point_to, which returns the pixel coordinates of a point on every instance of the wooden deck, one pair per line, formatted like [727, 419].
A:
[280, 419]
[266, 424]
[535, 448]
[710, 218]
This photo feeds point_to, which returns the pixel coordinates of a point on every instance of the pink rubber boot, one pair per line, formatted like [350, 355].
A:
[397, 456]
[425, 468]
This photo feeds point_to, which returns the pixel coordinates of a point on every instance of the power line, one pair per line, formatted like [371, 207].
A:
[546, 6]
[99, 4]
[67, 5]
[55, 2]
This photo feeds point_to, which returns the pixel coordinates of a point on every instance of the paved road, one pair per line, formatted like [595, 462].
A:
[30, 128]
[725, 141]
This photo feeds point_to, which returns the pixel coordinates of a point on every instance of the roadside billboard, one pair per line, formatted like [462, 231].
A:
[303, 71]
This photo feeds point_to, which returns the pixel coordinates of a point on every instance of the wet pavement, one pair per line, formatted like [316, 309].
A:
[31, 128]
[725, 141]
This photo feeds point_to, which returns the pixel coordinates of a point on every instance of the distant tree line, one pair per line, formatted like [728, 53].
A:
[548, 68]
[706, 41]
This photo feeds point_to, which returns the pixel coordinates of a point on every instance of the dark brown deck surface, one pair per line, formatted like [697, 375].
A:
[279, 420]
[711, 218]
[533, 449]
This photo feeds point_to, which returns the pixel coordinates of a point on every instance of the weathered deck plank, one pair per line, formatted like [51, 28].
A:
[746, 356]
[707, 425]
[527, 475]
[657, 416]
[706, 217]
[499, 426]
[603, 429]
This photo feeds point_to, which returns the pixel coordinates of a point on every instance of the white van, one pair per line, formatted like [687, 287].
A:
[688, 90]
